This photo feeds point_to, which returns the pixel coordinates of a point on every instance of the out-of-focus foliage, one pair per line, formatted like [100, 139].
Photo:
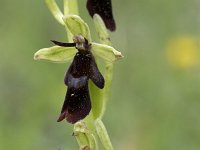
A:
[155, 98]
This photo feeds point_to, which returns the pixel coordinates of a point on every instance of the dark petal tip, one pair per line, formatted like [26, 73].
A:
[61, 117]
[55, 42]
[63, 44]
[101, 86]
[110, 24]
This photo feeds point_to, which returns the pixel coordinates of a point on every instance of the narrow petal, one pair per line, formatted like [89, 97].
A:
[62, 44]
[77, 26]
[106, 52]
[56, 54]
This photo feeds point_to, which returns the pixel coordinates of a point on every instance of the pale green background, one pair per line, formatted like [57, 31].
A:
[153, 105]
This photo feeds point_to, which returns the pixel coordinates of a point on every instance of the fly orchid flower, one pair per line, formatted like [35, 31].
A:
[77, 103]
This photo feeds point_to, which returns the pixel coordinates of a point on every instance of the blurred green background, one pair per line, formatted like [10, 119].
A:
[155, 95]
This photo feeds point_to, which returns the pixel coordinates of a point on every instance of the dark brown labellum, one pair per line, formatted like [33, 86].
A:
[104, 9]
[77, 104]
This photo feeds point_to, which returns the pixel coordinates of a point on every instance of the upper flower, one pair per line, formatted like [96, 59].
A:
[104, 9]
[63, 54]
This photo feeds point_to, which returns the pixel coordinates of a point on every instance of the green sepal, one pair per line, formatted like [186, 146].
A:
[56, 54]
[106, 52]
[55, 10]
[77, 26]
[104, 37]
[70, 7]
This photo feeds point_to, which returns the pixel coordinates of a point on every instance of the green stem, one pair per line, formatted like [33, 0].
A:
[70, 7]
[108, 74]
[53, 7]
[101, 96]
[84, 139]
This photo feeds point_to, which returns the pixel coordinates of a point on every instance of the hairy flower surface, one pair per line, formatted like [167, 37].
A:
[77, 104]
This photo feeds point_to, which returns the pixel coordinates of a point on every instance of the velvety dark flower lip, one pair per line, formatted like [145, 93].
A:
[77, 104]
[104, 9]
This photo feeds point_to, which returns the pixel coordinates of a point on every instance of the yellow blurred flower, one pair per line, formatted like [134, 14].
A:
[183, 52]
